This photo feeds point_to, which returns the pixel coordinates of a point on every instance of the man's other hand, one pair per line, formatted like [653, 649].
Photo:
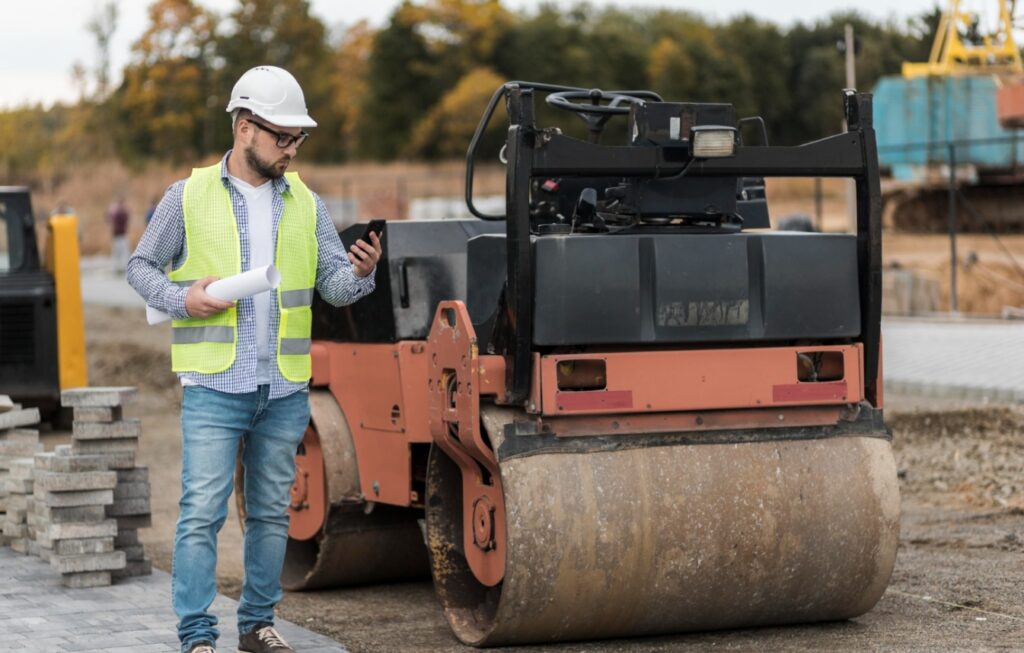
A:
[200, 304]
[364, 256]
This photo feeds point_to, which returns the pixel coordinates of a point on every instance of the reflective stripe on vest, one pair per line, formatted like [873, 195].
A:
[191, 335]
[208, 345]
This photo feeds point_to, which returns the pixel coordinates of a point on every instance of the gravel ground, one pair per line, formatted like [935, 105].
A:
[958, 583]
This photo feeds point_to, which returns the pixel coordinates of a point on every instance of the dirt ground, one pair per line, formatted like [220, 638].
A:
[958, 583]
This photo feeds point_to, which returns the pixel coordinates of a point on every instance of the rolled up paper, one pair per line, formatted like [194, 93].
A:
[231, 288]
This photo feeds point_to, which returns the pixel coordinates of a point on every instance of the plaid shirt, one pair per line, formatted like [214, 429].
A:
[164, 242]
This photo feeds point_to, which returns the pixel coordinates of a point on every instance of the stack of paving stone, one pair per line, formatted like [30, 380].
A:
[100, 430]
[17, 446]
[132, 512]
[69, 517]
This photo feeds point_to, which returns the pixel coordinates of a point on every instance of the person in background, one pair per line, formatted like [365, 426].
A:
[117, 218]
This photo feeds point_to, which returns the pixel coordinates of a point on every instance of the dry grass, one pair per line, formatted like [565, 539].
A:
[380, 190]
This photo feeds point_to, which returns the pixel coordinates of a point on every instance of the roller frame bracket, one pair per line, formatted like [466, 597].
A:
[454, 415]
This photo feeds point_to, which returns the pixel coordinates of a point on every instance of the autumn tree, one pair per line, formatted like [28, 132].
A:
[167, 85]
[445, 132]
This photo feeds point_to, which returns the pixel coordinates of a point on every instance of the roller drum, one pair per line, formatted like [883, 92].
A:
[674, 538]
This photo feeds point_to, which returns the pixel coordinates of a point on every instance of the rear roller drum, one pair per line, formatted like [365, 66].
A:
[336, 538]
[669, 538]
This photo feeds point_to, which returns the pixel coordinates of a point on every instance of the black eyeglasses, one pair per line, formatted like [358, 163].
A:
[283, 140]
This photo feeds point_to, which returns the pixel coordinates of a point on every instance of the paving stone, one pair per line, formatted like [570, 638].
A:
[129, 428]
[97, 413]
[19, 435]
[131, 490]
[72, 499]
[18, 485]
[70, 514]
[72, 482]
[66, 462]
[15, 530]
[128, 507]
[127, 537]
[20, 544]
[78, 530]
[133, 568]
[16, 502]
[15, 418]
[17, 448]
[104, 446]
[133, 615]
[84, 546]
[138, 474]
[87, 579]
[135, 521]
[134, 552]
[22, 468]
[97, 397]
[91, 562]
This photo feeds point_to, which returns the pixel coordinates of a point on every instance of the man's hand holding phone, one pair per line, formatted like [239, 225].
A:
[366, 251]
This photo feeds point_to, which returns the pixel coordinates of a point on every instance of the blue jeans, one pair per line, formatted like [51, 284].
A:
[212, 424]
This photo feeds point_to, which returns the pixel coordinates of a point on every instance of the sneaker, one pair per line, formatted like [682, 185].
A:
[264, 639]
[202, 647]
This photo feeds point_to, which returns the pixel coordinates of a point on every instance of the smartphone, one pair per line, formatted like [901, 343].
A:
[376, 226]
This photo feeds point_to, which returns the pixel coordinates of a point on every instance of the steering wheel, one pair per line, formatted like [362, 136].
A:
[594, 113]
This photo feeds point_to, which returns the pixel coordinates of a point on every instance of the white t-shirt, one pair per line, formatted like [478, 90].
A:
[260, 202]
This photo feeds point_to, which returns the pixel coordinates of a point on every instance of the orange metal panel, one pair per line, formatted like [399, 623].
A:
[708, 420]
[367, 382]
[707, 379]
[413, 364]
[319, 353]
[492, 375]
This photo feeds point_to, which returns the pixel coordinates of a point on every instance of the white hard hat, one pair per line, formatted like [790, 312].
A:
[272, 94]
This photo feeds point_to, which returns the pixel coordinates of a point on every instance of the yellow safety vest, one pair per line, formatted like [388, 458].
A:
[207, 345]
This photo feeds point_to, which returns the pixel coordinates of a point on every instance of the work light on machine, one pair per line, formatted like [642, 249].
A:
[712, 141]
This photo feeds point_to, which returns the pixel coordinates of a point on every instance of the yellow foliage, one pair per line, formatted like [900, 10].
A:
[471, 27]
[447, 128]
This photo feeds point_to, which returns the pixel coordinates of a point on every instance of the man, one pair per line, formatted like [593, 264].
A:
[245, 365]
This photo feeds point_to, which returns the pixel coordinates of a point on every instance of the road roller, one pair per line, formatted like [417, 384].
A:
[624, 405]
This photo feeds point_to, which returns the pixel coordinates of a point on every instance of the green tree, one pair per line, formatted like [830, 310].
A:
[402, 87]
[281, 33]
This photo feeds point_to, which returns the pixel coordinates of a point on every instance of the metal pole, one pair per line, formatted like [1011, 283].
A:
[952, 229]
[851, 82]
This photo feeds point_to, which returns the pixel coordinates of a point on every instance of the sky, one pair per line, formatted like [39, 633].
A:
[40, 40]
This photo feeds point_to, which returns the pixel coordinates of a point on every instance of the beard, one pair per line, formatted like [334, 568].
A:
[268, 170]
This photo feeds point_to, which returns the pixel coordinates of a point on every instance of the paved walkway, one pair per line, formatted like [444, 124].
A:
[39, 615]
[967, 359]
[102, 285]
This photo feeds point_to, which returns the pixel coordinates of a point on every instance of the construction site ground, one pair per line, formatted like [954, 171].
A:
[958, 583]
